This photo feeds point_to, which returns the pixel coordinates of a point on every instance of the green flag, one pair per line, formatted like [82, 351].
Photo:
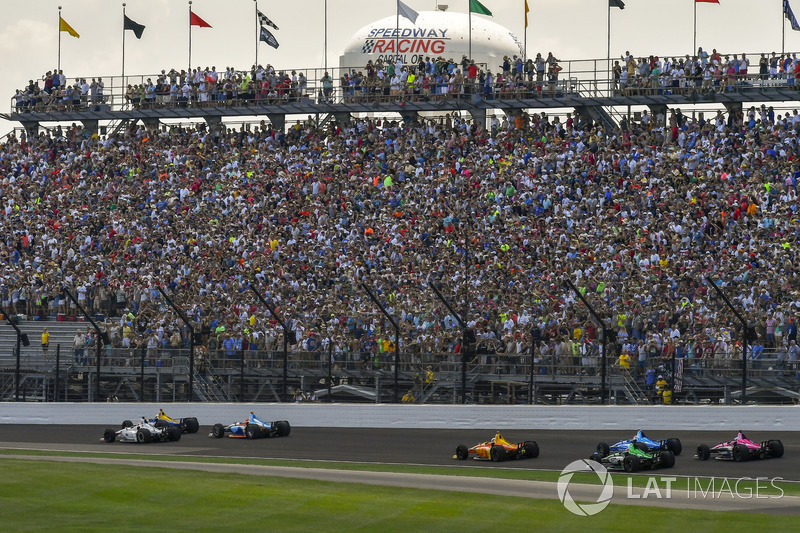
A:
[477, 7]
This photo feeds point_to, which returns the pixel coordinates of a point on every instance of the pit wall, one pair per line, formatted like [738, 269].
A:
[694, 418]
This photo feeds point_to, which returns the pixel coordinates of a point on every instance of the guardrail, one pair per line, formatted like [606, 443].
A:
[590, 78]
[223, 375]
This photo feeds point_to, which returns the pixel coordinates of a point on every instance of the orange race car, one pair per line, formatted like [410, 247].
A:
[498, 449]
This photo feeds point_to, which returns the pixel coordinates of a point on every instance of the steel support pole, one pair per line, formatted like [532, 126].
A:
[241, 377]
[271, 310]
[58, 372]
[330, 360]
[285, 365]
[141, 375]
[396, 340]
[464, 341]
[744, 336]
[101, 339]
[17, 372]
[189, 325]
[602, 324]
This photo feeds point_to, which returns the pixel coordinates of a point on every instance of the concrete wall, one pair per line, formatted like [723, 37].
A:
[750, 418]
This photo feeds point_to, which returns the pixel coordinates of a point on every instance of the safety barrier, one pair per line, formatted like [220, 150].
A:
[697, 418]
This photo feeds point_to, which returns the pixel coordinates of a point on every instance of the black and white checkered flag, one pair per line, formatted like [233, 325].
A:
[265, 20]
[369, 44]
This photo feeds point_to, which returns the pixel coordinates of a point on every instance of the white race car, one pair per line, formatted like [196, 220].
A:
[142, 433]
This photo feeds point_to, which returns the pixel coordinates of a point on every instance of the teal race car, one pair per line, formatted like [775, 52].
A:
[634, 459]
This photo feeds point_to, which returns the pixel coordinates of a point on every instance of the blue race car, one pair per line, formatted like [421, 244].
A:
[644, 443]
[252, 428]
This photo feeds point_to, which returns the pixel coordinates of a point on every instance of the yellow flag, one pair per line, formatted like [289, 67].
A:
[63, 26]
[527, 9]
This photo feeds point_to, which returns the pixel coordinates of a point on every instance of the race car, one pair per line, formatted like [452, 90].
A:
[186, 425]
[644, 443]
[252, 428]
[498, 449]
[742, 449]
[142, 433]
[634, 458]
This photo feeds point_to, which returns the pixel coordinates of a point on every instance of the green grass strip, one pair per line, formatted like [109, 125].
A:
[458, 469]
[43, 496]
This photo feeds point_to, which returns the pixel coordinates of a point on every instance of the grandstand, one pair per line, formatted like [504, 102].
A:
[640, 211]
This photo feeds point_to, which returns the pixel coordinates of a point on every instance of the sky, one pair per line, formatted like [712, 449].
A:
[571, 29]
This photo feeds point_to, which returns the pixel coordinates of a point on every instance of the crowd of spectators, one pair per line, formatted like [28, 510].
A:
[432, 79]
[499, 214]
[702, 73]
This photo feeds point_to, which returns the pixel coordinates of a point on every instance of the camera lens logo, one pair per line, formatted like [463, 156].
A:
[585, 509]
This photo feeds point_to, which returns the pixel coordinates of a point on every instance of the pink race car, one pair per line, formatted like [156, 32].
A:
[742, 449]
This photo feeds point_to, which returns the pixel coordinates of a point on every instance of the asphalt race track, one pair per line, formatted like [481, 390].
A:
[410, 446]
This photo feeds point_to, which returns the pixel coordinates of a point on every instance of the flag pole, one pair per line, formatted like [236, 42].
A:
[325, 38]
[783, 28]
[123, 46]
[694, 42]
[608, 49]
[525, 34]
[397, 35]
[258, 32]
[59, 38]
[469, 10]
[189, 71]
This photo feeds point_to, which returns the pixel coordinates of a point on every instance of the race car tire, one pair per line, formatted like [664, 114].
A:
[596, 457]
[631, 463]
[109, 435]
[675, 446]
[252, 431]
[740, 453]
[666, 459]
[531, 449]
[283, 428]
[127, 424]
[174, 433]
[703, 452]
[218, 431]
[497, 454]
[190, 425]
[775, 448]
[143, 436]
[603, 449]
[462, 452]
[161, 423]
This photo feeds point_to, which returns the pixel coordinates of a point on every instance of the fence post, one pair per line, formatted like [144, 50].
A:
[396, 340]
[102, 339]
[330, 362]
[189, 325]
[241, 377]
[58, 372]
[744, 336]
[141, 375]
[602, 323]
[286, 335]
[17, 372]
[467, 336]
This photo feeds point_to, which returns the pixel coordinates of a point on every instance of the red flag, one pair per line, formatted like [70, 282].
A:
[706, 1]
[194, 20]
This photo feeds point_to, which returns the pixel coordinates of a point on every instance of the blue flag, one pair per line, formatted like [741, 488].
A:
[787, 11]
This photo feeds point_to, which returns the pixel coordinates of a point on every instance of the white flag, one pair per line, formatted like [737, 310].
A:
[406, 12]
